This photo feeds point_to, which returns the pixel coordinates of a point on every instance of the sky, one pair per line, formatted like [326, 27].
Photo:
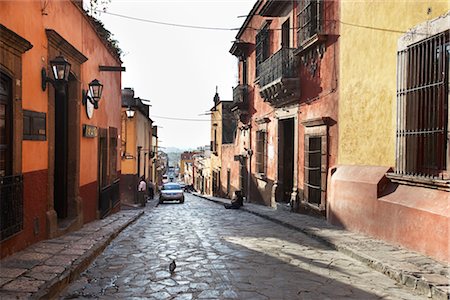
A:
[177, 68]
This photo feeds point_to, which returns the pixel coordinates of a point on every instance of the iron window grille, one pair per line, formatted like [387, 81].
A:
[11, 205]
[422, 145]
[261, 157]
[309, 20]
[262, 47]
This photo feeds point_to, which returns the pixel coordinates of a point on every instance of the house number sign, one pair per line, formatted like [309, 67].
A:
[89, 131]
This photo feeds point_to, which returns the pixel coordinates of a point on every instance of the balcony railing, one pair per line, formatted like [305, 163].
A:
[11, 205]
[240, 94]
[282, 64]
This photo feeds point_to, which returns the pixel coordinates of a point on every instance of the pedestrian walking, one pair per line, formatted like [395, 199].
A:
[142, 187]
[151, 190]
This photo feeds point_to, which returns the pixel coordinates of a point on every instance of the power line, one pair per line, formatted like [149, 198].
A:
[235, 29]
[179, 119]
[166, 23]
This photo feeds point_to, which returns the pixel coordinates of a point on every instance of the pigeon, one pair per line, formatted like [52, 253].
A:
[172, 266]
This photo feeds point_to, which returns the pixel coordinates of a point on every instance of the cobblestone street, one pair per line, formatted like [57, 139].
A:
[224, 254]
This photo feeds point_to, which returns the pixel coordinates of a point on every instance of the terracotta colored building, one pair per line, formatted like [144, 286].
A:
[286, 101]
[59, 152]
[136, 145]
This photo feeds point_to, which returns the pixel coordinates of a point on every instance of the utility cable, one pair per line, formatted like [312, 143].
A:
[166, 23]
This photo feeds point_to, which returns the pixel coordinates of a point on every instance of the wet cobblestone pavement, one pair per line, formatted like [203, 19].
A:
[224, 254]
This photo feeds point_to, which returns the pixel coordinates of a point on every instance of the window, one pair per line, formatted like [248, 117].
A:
[308, 19]
[261, 159]
[34, 125]
[5, 126]
[422, 108]
[262, 46]
[285, 34]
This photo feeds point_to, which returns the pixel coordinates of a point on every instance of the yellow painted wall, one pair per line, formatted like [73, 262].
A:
[216, 118]
[129, 165]
[369, 31]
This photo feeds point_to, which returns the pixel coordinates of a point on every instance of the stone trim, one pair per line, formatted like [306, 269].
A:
[58, 42]
[317, 122]
[423, 31]
[13, 40]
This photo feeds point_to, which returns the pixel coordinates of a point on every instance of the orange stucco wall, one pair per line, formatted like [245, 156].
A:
[29, 20]
[74, 28]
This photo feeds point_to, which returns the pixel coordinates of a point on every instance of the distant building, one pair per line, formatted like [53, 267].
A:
[223, 129]
[136, 145]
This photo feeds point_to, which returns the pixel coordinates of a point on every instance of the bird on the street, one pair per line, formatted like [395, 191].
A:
[172, 266]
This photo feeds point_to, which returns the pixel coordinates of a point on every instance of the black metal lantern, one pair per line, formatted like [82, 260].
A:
[130, 112]
[60, 69]
[94, 95]
[96, 89]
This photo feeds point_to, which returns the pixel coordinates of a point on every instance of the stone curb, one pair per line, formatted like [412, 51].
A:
[50, 288]
[408, 279]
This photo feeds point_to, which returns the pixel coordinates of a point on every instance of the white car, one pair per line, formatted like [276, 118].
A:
[171, 191]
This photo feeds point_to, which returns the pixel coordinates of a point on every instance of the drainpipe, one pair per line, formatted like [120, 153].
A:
[250, 154]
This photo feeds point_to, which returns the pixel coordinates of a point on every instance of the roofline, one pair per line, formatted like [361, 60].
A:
[115, 56]
[248, 18]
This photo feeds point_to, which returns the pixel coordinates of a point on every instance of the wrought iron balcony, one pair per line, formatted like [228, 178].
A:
[11, 205]
[240, 94]
[278, 80]
[240, 101]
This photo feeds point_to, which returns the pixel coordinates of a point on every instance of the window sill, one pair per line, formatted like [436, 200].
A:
[315, 39]
[439, 184]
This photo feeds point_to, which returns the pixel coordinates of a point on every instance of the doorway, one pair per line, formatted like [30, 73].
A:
[243, 175]
[104, 204]
[314, 170]
[61, 154]
[285, 159]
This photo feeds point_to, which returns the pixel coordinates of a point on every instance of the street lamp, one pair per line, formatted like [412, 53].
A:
[130, 112]
[95, 93]
[60, 69]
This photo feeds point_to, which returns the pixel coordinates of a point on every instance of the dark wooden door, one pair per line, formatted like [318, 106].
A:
[61, 154]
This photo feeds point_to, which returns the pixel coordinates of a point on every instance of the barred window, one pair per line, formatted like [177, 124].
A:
[308, 19]
[422, 108]
[262, 46]
[261, 145]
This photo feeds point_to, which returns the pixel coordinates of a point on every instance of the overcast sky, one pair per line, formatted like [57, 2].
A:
[178, 68]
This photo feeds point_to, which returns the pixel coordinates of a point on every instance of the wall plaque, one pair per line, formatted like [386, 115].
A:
[89, 131]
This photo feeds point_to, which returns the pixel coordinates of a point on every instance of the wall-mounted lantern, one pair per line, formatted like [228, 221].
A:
[130, 112]
[60, 69]
[94, 95]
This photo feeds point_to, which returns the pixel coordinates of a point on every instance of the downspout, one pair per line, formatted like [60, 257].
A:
[250, 154]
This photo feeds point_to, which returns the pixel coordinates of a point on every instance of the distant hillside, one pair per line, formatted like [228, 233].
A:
[174, 158]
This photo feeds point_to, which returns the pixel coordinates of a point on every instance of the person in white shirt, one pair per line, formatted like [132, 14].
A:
[142, 187]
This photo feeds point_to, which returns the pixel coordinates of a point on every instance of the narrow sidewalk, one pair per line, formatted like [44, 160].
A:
[42, 270]
[426, 275]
